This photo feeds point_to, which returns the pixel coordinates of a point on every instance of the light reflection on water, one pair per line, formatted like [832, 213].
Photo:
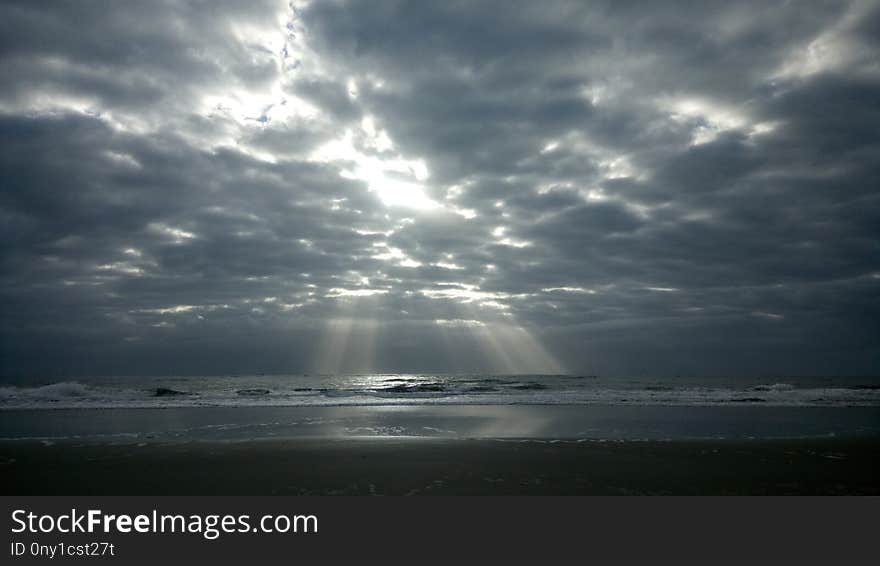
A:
[450, 422]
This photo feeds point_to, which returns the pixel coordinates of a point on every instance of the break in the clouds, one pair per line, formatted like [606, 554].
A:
[600, 187]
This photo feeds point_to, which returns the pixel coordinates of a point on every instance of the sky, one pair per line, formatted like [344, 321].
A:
[612, 188]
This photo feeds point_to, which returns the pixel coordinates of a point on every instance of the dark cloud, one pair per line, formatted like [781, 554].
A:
[214, 187]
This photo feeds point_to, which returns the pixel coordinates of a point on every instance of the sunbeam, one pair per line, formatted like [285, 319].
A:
[349, 338]
[506, 346]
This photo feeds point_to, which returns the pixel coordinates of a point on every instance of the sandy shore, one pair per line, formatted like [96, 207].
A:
[425, 466]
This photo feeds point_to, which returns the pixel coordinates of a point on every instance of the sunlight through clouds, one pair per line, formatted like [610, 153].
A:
[349, 338]
[567, 187]
[396, 181]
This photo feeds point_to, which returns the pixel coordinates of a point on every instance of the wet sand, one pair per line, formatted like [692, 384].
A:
[427, 466]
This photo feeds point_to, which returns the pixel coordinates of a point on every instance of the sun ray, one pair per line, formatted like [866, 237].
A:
[349, 338]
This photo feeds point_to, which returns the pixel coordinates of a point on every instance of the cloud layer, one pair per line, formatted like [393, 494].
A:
[602, 187]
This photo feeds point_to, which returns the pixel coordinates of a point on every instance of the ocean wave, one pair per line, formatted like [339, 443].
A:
[529, 386]
[65, 392]
[417, 388]
[205, 392]
[253, 392]
[774, 387]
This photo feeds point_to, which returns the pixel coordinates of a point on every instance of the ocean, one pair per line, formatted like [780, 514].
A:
[524, 407]
[435, 389]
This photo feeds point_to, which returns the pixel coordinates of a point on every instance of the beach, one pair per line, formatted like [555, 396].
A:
[466, 450]
[409, 466]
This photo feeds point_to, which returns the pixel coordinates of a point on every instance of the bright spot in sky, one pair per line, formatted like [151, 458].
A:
[500, 233]
[177, 235]
[550, 147]
[711, 117]
[569, 290]
[396, 181]
[122, 267]
[465, 294]
[459, 322]
[396, 255]
[339, 292]
[447, 265]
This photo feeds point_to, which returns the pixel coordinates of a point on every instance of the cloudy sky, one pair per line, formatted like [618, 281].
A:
[594, 187]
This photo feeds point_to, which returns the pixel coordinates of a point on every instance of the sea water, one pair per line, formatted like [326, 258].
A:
[506, 407]
[434, 389]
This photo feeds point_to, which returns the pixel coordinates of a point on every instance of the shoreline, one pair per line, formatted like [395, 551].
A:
[454, 449]
[447, 421]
